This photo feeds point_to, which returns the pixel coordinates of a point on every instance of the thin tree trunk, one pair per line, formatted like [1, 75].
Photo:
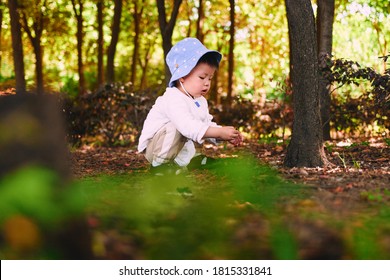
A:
[100, 42]
[115, 30]
[36, 43]
[17, 46]
[137, 29]
[144, 65]
[305, 148]
[80, 35]
[214, 86]
[200, 21]
[231, 53]
[166, 28]
[325, 17]
[39, 65]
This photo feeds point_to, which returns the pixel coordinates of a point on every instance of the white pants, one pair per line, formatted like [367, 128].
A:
[169, 145]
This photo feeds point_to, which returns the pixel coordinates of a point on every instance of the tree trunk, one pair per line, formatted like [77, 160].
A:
[39, 65]
[137, 29]
[325, 17]
[144, 65]
[115, 30]
[166, 28]
[213, 94]
[305, 148]
[17, 46]
[80, 36]
[100, 43]
[200, 21]
[231, 53]
[37, 27]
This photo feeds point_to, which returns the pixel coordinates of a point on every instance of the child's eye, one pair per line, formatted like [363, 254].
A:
[202, 78]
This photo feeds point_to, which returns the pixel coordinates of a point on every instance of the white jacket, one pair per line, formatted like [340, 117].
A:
[176, 107]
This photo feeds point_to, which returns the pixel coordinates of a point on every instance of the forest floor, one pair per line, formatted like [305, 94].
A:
[344, 210]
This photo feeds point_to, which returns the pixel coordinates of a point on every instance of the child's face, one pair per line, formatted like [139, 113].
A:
[198, 82]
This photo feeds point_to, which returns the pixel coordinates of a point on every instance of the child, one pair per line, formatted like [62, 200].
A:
[180, 117]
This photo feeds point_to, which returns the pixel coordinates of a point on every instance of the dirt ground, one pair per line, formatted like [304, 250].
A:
[356, 165]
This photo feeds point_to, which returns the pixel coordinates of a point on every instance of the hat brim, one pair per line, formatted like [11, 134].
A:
[189, 65]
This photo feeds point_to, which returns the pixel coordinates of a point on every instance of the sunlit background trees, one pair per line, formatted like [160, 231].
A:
[361, 33]
[73, 47]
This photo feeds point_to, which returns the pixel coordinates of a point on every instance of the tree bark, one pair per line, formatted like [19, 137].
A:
[39, 65]
[231, 54]
[305, 148]
[213, 94]
[137, 15]
[325, 17]
[17, 46]
[100, 43]
[200, 21]
[115, 30]
[166, 28]
[35, 39]
[80, 37]
[144, 65]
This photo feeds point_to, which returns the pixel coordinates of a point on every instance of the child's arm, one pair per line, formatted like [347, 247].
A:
[227, 133]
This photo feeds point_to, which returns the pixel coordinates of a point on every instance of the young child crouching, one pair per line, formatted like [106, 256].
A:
[180, 117]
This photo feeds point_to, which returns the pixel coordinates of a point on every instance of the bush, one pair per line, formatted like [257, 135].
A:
[255, 119]
[112, 115]
[373, 104]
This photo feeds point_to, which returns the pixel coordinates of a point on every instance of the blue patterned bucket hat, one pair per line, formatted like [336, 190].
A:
[184, 56]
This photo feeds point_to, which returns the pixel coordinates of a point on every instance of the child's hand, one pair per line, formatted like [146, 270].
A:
[233, 136]
[226, 133]
[237, 141]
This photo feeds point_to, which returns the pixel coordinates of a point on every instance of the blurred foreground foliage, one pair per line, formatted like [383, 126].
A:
[192, 217]
[235, 209]
[114, 114]
[34, 212]
[139, 215]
